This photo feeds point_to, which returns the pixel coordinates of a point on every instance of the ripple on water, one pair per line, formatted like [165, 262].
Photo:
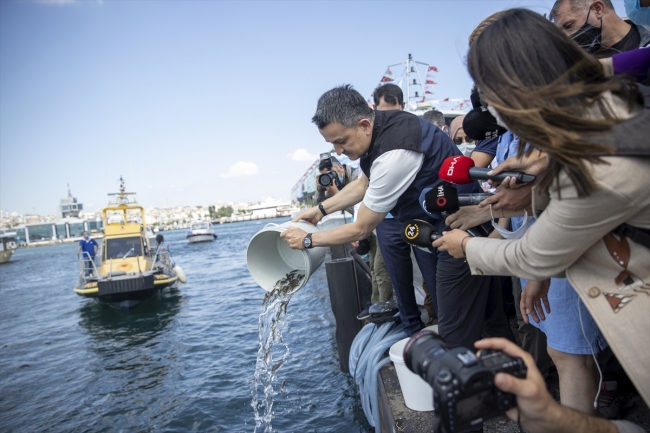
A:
[181, 362]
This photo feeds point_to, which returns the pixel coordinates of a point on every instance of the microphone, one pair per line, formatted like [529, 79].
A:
[460, 170]
[444, 199]
[419, 233]
[479, 123]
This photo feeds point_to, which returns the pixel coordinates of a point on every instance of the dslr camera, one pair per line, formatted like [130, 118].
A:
[464, 394]
[329, 177]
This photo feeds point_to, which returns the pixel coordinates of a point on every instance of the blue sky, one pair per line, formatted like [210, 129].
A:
[198, 102]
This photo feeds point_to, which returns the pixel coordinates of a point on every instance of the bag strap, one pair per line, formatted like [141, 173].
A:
[640, 236]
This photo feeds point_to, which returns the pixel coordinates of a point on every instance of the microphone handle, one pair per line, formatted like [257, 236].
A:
[472, 199]
[479, 173]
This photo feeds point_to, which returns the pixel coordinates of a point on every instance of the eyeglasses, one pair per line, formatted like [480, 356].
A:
[461, 140]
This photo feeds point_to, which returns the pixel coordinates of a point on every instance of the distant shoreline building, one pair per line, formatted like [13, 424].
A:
[69, 207]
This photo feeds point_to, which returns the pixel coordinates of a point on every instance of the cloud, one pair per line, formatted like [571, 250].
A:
[241, 169]
[301, 155]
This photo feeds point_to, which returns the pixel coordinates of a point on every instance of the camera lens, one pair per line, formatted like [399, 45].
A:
[325, 179]
[420, 350]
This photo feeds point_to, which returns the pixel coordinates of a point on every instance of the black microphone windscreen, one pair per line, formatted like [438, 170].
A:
[479, 124]
[475, 98]
[443, 198]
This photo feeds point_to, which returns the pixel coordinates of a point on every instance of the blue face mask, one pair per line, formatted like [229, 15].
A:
[639, 16]
[86, 236]
[340, 180]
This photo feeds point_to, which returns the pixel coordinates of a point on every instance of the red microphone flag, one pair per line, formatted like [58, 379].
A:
[455, 169]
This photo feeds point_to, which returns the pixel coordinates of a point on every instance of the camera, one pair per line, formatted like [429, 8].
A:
[325, 161]
[328, 178]
[464, 394]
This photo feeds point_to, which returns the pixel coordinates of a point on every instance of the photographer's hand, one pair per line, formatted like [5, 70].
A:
[536, 409]
[532, 297]
[332, 189]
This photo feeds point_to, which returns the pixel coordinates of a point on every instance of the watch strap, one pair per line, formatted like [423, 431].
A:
[322, 209]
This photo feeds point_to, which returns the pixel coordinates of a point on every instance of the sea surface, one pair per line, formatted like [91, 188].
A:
[181, 362]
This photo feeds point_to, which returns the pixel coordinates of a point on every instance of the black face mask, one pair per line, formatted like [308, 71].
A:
[589, 37]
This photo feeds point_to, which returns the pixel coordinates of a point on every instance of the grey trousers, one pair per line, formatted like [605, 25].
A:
[382, 288]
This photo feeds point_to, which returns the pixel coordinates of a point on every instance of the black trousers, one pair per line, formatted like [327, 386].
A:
[470, 307]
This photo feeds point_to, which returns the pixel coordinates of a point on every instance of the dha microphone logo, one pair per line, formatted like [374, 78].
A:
[411, 231]
[441, 200]
[450, 170]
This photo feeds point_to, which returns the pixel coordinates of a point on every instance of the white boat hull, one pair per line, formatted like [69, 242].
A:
[201, 238]
[5, 256]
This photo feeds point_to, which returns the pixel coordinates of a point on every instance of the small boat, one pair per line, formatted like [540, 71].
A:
[201, 231]
[7, 246]
[128, 270]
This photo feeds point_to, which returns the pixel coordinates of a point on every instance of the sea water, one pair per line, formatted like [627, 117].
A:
[182, 362]
[271, 325]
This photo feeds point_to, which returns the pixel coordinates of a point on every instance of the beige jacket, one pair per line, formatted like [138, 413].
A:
[568, 236]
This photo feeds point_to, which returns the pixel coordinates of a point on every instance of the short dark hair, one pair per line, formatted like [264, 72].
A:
[435, 117]
[391, 93]
[577, 5]
[344, 105]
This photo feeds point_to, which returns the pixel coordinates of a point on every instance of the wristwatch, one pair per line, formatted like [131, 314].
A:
[307, 241]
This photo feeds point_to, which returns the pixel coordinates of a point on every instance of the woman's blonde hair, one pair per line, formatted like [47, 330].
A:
[549, 92]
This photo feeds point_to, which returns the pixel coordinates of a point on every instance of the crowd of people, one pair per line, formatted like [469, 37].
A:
[562, 99]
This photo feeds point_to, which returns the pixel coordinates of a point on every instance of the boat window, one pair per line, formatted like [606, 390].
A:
[200, 226]
[117, 248]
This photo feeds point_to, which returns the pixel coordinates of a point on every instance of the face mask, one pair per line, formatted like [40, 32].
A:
[86, 236]
[507, 234]
[466, 148]
[588, 36]
[493, 111]
[340, 180]
[638, 15]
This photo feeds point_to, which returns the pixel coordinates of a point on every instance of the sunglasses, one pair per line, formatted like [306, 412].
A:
[459, 140]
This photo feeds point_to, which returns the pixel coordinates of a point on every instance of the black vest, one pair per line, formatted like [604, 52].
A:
[402, 130]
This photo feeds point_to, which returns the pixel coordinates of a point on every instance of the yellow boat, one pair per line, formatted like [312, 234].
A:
[127, 271]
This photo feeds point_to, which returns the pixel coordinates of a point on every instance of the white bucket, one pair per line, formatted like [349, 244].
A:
[270, 258]
[418, 394]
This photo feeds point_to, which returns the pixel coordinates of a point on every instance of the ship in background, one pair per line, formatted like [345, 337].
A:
[418, 96]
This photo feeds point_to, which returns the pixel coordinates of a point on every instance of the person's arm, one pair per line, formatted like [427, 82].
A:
[392, 173]
[349, 196]
[470, 216]
[79, 250]
[481, 159]
[362, 226]
[565, 230]
[537, 411]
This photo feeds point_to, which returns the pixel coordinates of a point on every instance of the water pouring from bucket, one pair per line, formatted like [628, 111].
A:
[281, 271]
[270, 258]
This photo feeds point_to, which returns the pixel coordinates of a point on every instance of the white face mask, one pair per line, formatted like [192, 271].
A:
[507, 234]
[466, 148]
[493, 111]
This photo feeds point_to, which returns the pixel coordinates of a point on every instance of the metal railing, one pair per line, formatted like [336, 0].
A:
[88, 267]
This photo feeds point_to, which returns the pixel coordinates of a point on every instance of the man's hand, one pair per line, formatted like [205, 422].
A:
[509, 198]
[451, 242]
[294, 236]
[467, 217]
[313, 215]
[532, 297]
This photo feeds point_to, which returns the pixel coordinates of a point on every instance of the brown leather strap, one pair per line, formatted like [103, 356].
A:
[618, 249]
